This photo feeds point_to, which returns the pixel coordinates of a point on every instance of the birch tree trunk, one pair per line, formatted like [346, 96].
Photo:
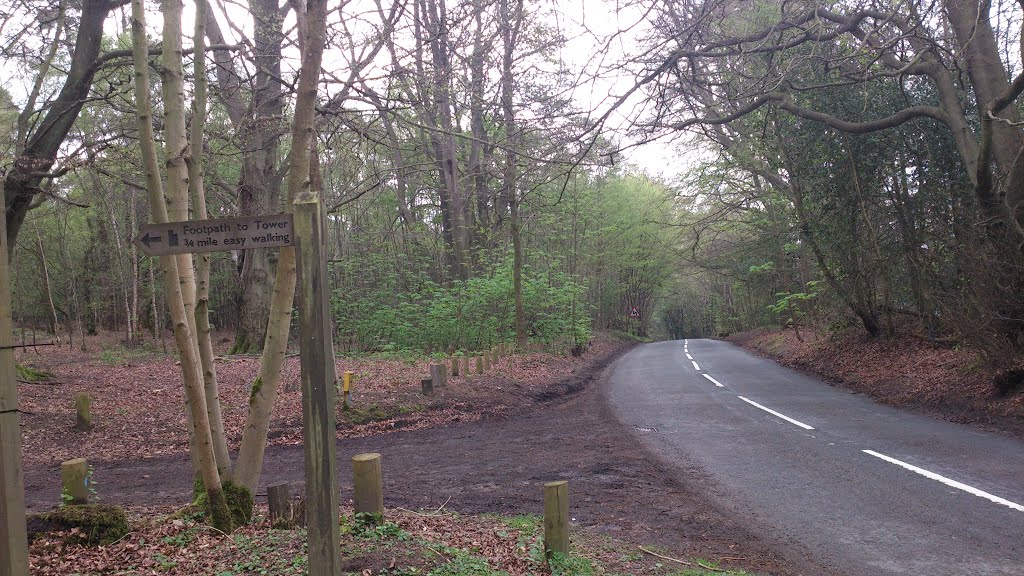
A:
[202, 314]
[178, 185]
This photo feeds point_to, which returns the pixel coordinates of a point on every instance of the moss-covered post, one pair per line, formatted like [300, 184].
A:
[318, 387]
[479, 364]
[74, 480]
[367, 490]
[455, 366]
[466, 371]
[83, 418]
[487, 361]
[556, 517]
[13, 533]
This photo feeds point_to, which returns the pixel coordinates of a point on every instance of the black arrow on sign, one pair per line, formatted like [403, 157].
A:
[147, 239]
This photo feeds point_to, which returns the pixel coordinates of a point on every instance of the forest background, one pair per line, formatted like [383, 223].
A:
[844, 166]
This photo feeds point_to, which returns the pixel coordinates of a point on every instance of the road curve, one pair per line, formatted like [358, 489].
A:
[868, 489]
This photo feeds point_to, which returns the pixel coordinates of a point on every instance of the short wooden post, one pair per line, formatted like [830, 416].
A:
[428, 386]
[279, 499]
[487, 361]
[346, 387]
[479, 364]
[556, 517]
[444, 373]
[83, 419]
[367, 493]
[74, 479]
[501, 349]
[437, 374]
[495, 355]
[455, 366]
[466, 371]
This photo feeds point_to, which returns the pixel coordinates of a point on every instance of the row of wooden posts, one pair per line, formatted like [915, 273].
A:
[465, 365]
[367, 497]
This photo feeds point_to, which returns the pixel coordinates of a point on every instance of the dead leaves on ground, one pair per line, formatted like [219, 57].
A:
[138, 404]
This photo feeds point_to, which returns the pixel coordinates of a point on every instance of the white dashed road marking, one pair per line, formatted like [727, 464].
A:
[773, 412]
[947, 481]
[717, 383]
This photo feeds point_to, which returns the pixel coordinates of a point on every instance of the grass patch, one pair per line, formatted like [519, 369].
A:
[402, 543]
[356, 415]
[121, 355]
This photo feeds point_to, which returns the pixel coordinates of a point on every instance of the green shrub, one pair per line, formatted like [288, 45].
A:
[470, 315]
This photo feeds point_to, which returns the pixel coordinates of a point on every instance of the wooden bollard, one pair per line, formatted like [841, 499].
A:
[479, 364]
[74, 479]
[83, 418]
[367, 493]
[346, 387]
[279, 499]
[556, 517]
[501, 349]
[437, 374]
[455, 366]
[495, 355]
[487, 361]
[427, 385]
[465, 366]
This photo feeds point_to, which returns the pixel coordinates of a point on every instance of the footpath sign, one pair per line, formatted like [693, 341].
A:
[246, 233]
[317, 349]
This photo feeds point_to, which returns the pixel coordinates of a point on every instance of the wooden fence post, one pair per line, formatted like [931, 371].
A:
[479, 364]
[556, 517]
[279, 499]
[13, 538]
[346, 387]
[427, 386]
[455, 366]
[487, 361]
[465, 366]
[83, 419]
[437, 374]
[74, 480]
[367, 493]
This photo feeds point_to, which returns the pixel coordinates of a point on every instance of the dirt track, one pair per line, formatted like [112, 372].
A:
[498, 465]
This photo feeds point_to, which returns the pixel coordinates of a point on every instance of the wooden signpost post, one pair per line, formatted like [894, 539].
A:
[304, 230]
[13, 538]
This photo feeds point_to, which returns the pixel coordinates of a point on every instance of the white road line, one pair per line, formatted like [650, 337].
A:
[688, 357]
[947, 481]
[695, 367]
[770, 411]
[717, 383]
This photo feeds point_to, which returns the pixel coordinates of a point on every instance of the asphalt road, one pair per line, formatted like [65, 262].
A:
[867, 489]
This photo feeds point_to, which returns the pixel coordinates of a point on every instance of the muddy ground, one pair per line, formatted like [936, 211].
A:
[498, 464]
